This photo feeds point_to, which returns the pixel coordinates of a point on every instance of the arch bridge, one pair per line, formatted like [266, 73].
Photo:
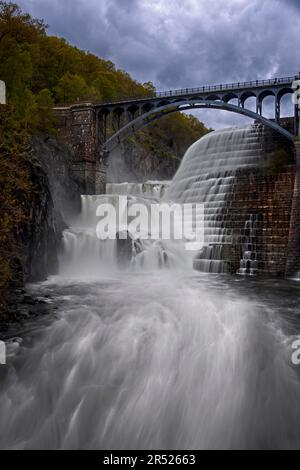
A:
[117, 120]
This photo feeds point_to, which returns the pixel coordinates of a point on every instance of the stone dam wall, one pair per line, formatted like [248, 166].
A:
[269, 198]
[270, 195]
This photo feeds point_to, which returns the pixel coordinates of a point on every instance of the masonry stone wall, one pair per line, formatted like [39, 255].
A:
[293, 249]
[269, 194]
[270, 198]
[77, 127]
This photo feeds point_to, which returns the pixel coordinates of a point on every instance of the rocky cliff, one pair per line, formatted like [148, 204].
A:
[57, 200]
[132, 162]
[49, 198]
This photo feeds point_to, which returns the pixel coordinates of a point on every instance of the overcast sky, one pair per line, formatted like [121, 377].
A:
[183, 43]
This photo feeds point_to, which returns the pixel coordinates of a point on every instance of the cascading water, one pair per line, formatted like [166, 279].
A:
[155, 355]
[248, 265]
[207, 175]
[83, 253]
[150, 189]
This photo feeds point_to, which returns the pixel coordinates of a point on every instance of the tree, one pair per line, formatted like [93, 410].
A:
[19, 25]
[150, 88]
[71, 88]
[106, 86]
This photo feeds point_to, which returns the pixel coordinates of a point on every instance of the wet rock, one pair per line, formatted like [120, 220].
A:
[138, 247]
[124, 247]
[27, 299]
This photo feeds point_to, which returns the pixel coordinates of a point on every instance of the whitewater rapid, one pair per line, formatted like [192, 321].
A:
[152, 361]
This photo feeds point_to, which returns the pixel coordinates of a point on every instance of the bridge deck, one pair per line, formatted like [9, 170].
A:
[221, 88]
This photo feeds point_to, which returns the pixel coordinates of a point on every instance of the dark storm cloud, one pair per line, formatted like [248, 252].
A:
[294, 3]
[181, 43]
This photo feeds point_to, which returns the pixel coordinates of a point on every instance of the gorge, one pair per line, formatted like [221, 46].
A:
[131, 341]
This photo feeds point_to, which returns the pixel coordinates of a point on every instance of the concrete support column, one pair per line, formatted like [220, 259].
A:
[116, 122]
[293, 253]
[128, 116]
[277, 110]
[259, 107]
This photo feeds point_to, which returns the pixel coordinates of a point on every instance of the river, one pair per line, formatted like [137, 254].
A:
[157, 361]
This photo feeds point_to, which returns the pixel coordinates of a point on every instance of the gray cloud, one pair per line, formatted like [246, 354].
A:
[182, 43]
[294, 3]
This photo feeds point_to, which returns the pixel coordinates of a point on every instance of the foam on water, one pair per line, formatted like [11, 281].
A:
[155, 361]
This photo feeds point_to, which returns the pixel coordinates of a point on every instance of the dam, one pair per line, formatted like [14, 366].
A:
[245, 177]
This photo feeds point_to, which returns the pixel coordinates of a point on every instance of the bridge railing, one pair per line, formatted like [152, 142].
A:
[230, 86]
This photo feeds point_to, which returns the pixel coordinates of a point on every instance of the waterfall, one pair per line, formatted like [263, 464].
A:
[145, 353]
[207, 175]
[83, 253]
[150, 189]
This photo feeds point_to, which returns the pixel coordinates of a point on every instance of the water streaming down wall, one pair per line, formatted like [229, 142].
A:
[209, 174]
[84, 253]
[248, 264]
[150, 189]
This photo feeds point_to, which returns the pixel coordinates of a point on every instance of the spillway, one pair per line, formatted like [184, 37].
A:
[208, 174]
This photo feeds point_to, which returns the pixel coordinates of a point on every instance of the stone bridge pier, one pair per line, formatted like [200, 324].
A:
[78, 130]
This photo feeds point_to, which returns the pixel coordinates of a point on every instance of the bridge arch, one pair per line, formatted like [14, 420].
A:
[157, 113]
[283, 92]
[213, 98]
[281, 97]
[147, 107]
[245, 96]
[229, 97]
[262, 97]
[118, 110]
